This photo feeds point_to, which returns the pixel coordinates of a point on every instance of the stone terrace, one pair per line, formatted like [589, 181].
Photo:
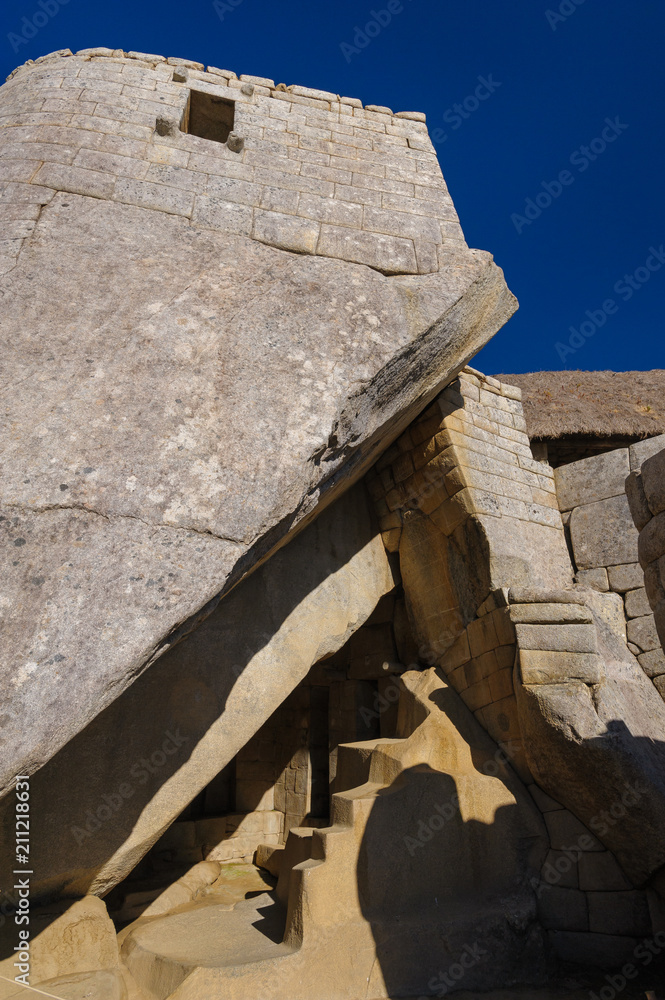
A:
[317, 174]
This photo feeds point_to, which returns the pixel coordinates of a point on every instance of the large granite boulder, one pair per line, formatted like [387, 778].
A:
[182, 401]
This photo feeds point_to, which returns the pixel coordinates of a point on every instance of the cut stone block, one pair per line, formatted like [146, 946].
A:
[560, 908]
[653, 662]
[642, 450]
[542, 614]
[595, 579]
[566, 638]
[628, 577]
[642, 631]
[652, 540]
[637, 603]
[591, 479]
[547, 667]
[653, 482]
[600, 872]
[560, 869]
[603, 534]
[639, 508]
[567, 832]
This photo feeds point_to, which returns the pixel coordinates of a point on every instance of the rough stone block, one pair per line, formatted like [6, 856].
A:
[560, 869]
[78, 180]
[565, 638]
[595, 579]
[563, 909]
[637, 603]
[628, 577]
[556, 667]
[653, 662]
[653, 482]
[329, 210]
[652, 540]
[385, 253]
[147, 195]
[544, 802]
[566, 833]
[482, 636]
[642, 631]
[642, 450]
[226, 216]
[543, 614]
[603, 534]
[637, 501]
[592, 479]
[600, 872]
[621, 913]
[285, 231]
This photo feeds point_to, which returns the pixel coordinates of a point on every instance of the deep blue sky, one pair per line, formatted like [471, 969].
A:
[558, 84]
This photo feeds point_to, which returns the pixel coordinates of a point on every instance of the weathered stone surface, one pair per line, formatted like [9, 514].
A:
[165, 439]
[628, 577]
[144, 758]
[601, 752]
[641, 450]
[555, 667]
[564, 638]
[652, 540]
[637, 603]
[543, 614]
[603, 534]
[653, 482]
[639, 508]
[596, 579]
[592, 479]
[609, 608]
[653, 662]
[642, 631]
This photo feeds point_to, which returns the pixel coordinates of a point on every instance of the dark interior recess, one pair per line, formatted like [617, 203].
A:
[209, 116]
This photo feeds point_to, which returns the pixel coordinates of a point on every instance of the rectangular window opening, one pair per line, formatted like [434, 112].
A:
[209, 116]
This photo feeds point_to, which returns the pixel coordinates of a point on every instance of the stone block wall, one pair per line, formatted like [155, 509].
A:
[646, 492]
[467, 461]
[603, 540]
[318, 173]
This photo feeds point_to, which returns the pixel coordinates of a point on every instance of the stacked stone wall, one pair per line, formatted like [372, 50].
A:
[646, 492]
[318, 173]
[468, 459]
[604, 541]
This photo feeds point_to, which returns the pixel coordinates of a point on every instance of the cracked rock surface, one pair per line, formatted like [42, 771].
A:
[174, 403]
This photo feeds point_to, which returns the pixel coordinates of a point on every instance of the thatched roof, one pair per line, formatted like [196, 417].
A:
[594, 404]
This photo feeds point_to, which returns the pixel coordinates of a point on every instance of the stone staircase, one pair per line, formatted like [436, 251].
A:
[423, 874]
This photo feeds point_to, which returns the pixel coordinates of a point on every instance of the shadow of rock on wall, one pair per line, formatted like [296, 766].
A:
[445, 871]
